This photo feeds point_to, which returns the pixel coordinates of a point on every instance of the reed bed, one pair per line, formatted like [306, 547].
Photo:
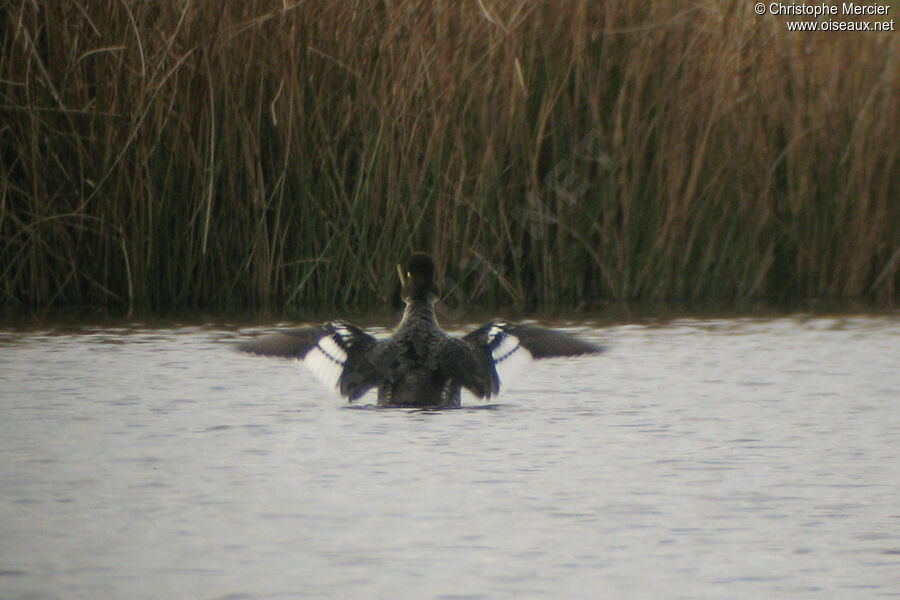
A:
[263, 153]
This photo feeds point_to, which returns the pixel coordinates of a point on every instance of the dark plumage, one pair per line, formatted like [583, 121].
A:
[419, 365]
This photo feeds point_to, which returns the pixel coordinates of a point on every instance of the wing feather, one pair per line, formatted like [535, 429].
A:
[509, 347]
[334, 352]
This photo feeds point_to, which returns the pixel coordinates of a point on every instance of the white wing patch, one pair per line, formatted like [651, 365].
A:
[509, 355]
[326, 359]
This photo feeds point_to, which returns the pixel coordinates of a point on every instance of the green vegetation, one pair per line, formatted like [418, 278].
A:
[242, 155]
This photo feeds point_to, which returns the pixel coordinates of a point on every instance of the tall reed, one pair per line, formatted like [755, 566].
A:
[235, 155]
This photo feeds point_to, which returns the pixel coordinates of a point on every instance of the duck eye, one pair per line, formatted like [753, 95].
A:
[408, 274]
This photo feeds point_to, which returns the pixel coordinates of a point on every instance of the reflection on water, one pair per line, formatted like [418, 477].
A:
[696, 459]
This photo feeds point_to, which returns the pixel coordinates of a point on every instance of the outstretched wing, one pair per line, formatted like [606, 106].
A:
[546, 343]
[507, 347]
[335, 352]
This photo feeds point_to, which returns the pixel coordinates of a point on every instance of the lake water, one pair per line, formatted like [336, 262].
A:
[734, 458]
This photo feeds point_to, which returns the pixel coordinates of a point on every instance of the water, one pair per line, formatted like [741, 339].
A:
[697, 459]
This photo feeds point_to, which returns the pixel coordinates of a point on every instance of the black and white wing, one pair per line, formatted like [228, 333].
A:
[544, 343]
[335, 352]
[508, 347]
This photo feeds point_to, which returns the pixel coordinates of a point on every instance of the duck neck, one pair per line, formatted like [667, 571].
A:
[418, 311]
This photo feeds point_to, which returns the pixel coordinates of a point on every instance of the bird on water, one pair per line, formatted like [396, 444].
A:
[420, 365]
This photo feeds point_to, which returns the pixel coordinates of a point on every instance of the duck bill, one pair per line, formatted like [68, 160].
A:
[402, 276]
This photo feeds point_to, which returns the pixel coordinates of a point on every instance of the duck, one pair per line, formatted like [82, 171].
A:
[419, 365]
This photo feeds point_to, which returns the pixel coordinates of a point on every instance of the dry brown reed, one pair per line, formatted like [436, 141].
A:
[233, 155]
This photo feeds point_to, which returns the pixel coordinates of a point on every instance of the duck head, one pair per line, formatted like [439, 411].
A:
[417, 279]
